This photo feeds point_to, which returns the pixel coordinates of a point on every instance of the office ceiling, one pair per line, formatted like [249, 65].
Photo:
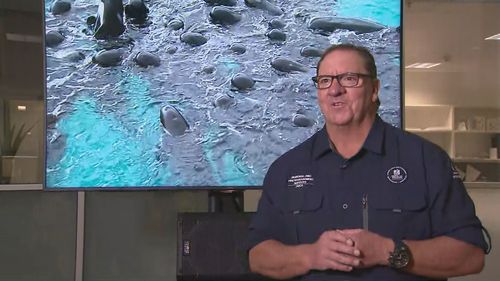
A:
[452, 33]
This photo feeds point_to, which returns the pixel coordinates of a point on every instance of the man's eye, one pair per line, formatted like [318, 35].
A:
[324, 80]
[350, 78]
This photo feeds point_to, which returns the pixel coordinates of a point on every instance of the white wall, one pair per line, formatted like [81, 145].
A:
[452, 88]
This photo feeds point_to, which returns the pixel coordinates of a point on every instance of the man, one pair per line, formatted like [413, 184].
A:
[360, 199]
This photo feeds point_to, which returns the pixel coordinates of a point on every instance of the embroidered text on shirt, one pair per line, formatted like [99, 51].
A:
[299, 181]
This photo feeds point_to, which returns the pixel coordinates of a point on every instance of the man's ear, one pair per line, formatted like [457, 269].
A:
[376, 88]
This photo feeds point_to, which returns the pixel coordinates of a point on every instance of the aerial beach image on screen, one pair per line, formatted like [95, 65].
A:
[195, 93]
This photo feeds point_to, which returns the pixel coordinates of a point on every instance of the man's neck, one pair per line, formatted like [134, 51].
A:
[348, 140]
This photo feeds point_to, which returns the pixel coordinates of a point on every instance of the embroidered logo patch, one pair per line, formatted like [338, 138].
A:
[397, 174]
[299, 181]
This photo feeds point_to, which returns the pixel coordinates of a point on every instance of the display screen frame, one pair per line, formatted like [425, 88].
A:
[55, 148]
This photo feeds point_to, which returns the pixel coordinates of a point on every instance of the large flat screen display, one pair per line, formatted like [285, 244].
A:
[201, 94]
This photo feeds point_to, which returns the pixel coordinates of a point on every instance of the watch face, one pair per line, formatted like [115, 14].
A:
[400, 257]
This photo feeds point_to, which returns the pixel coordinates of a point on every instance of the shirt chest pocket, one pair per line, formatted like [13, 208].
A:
[399, 215]
[306, 214]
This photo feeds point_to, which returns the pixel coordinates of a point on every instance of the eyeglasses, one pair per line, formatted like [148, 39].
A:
[346, 80]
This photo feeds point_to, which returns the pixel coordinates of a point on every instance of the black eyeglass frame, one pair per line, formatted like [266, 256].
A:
[339, 79]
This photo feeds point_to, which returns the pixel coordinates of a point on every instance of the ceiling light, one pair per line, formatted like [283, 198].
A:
[421, 65]
[494, 37]
[21, 107]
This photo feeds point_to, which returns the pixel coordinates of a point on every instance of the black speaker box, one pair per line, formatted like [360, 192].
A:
[213, 247]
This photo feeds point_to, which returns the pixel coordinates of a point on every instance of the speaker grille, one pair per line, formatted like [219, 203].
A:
[213, 246]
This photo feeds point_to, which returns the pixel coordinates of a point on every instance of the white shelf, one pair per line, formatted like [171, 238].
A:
[430, 117]
[476, 160]
[476, 132]
[468, 147]
[482, 184]
[428, 131]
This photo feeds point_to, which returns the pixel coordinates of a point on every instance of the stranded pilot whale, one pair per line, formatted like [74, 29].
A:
[109, 19]
[224, 16]
[172, 120]
[286, 65]
[330, 24]
[265, 5]
[221, 2]
[136, 11]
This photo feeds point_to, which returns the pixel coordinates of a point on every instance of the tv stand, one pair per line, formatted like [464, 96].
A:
[225, 201]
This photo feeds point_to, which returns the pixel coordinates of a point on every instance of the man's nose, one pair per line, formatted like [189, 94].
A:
[335, 88]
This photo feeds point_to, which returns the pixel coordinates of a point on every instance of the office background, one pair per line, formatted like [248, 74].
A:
[132, 235]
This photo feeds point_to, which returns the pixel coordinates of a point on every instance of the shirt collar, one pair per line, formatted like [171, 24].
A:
[374, 141]
[321, 145]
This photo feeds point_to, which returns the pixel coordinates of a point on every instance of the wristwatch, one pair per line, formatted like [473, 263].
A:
[401, 256]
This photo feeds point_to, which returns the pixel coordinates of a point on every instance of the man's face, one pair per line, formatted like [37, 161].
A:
[343, 106]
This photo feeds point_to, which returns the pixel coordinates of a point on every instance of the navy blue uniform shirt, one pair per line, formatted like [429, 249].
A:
[398, 185]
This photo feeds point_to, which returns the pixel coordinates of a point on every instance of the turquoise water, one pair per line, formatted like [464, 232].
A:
[107, 149]
[227, 170]
[102, 151]
[385, 12]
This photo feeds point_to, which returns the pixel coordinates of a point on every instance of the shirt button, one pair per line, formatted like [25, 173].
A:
[345, 206]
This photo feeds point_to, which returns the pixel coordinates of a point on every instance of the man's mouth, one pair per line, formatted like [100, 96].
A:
[337, 104]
